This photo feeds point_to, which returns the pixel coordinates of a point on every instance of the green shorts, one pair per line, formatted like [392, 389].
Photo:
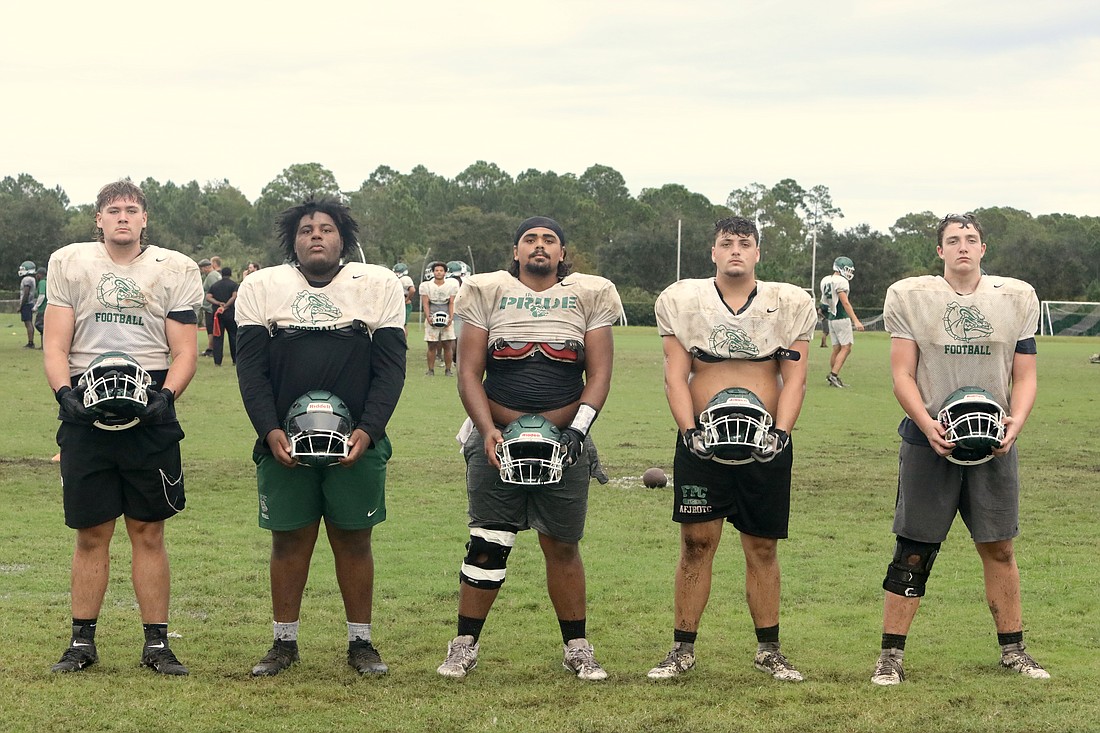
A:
[408, 311]
[352, 497]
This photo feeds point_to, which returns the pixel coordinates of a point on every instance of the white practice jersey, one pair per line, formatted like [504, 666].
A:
[280, 298]
[502, 305]
[693, 311]
[122, 307]
[831, 288]
[964, 340]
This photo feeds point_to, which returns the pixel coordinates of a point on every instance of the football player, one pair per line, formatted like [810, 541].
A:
[28, 295]
[121, 294]
[840, 317]
[959, 330]
[401, 270]
[315, 323]
[437, 303]
[535, 365]
[732, 331]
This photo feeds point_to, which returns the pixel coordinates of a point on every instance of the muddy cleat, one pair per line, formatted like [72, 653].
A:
[365, 659]
[461, 657]
[159, 658]
[1020, 661]
[280, 656]
[579, 658]
[775, 664]
[888, 670]
[678, 661]
[78, 656]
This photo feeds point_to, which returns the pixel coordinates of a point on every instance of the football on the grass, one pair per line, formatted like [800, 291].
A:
[654, 478]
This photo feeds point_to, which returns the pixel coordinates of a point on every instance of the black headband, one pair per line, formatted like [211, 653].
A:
[539, 221]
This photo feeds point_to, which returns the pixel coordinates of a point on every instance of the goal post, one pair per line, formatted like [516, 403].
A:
[1069, 318]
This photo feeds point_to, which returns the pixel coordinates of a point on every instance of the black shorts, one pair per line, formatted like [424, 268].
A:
[26, 312]
[753, 497]
[106, 474]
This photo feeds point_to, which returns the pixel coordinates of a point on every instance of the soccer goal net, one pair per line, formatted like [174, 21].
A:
[1062, 318]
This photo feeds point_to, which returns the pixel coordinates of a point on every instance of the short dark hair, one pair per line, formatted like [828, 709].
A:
[286, 224]
[121, 189]
[737, 225]
[967, 220]
[227, 271]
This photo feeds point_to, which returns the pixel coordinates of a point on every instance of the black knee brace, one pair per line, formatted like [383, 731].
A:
[486, 558]
[908, 573]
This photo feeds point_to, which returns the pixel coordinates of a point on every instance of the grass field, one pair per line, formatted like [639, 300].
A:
[845, 478]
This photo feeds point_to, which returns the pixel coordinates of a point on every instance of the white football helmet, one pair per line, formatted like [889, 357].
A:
[115, 388]
[318, 425]
[735, 424]
[974, 423]
[531, 454]
[439, 320]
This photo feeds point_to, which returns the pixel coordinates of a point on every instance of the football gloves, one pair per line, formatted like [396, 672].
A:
[572, 440]
[695, 440]
[72, 405]
[160, 402]
[776, 442]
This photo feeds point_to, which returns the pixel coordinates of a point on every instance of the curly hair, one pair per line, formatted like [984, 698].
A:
[288, 220]
[737, 225]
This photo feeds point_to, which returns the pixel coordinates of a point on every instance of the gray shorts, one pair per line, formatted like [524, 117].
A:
[931, 489]
[555, 510]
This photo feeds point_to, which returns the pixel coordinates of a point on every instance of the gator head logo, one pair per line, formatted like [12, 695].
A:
[965, 322]
[314, 307]
[727, 341]
[538, 311]
[119, 293]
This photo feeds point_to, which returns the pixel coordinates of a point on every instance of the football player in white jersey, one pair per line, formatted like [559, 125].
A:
[536, 349]
[319, 323]
[729, 332]
[961, 330]
[840, 317]
[437, 304]
[121, 295]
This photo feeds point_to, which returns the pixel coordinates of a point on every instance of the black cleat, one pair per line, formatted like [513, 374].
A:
[280, 656]
[364, 658]
[159, 658]
[78, 656]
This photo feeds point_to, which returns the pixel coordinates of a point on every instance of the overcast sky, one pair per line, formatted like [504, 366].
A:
[894, 106]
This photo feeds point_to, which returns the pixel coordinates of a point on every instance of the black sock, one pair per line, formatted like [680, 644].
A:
[84, 629]
[684, 637]
[470, 626]
[571, 630]
[1012, 637]
[155, 632]
[893, 641]
[768, 635]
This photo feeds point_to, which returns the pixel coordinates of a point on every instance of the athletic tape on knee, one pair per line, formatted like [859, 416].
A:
[908, 573]
[486, 558]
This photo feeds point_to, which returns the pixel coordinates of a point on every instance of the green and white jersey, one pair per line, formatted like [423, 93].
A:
[831, 288]
[279, 298]
[693, 311]
[964, 340]
[502, 305]
[122, 307]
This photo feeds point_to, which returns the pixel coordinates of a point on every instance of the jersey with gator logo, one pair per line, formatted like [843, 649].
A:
[121, 307]
[278, 298]
[693, 311]
[964, 340]
[502, 305]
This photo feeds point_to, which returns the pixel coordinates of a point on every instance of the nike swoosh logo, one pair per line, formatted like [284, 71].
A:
[81, 643]
[772, 310]
[161, 259]
[158, 645]
[356, 277]
[371, 512]
[997, 286]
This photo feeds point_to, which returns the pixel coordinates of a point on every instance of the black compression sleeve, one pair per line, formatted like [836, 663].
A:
[388, 352]
[254, 379]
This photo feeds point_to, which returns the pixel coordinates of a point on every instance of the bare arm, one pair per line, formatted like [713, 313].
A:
[473, 347]
[904, 356]
[599, 350]
[793, 391]
[1025, 385]
[677, 371]
[57, 338]
[183, 347]
[850, 310]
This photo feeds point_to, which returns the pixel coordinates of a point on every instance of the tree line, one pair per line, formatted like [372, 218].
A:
[419, 216]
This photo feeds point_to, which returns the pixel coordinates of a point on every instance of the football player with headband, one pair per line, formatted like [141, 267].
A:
[320, 365]
[437, 304]
[735, 376]
[963, 359]
[120, 347]
[533, 373]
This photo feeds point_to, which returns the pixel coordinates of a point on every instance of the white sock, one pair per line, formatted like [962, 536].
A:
[286, 631]
[358, 632]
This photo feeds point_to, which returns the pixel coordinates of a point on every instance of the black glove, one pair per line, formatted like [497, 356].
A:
[72, 405]
[159, 403]
[572, 441]
[696, 442]
[776, 442]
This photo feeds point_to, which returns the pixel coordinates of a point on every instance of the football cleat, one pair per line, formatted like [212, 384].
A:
[774, 663]
[678, 661]
[78, 656]
[282, 655]
[461, 657]
[365, 659]
[579, 658]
